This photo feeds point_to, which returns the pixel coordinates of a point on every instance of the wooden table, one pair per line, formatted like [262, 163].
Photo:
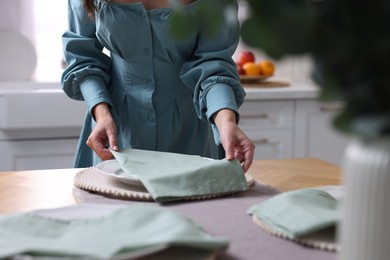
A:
[292, 174]
[30, 190]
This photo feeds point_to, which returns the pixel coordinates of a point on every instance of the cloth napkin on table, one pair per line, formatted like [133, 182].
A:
[298, 213]
[121, 234]
[173, 176]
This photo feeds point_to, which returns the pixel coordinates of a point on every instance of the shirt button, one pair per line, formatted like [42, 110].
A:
[150, 117]
[149, 82]
[146, 52]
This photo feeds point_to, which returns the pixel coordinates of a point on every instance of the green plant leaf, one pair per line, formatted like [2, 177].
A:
[182, 25]
[343, 122]
[207, 17]
[257, 33]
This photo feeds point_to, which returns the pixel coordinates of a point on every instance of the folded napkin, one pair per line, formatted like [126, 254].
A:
[298, 213]
[173, 176]
[123, 233]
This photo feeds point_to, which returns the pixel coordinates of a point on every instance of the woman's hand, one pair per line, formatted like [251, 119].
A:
[234, 141]
[104, 133]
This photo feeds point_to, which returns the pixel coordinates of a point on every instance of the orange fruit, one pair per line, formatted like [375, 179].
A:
[251, 69]
[266, 67]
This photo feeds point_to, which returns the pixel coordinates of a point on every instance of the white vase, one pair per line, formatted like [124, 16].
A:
[364, 232]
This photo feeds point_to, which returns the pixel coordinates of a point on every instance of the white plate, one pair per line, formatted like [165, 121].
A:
[112, 168]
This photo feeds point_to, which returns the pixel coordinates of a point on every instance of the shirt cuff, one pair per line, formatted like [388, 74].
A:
[94, 91]
[220, 96]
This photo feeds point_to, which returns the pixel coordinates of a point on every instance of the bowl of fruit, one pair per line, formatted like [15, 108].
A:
[251, 70]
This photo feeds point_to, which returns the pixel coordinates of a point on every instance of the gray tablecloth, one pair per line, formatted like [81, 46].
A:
[227, 217]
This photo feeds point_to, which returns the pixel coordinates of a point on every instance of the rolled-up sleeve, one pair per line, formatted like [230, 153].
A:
[212, 73]
[86, 76]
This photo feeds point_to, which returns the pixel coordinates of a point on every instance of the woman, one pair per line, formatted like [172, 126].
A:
[153, 92]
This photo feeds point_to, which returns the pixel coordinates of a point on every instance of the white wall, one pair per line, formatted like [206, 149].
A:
[42, 22]
[17, 16]
[50, 23]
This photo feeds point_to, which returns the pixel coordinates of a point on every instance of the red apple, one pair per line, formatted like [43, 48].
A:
[245, 57]
[240, 69]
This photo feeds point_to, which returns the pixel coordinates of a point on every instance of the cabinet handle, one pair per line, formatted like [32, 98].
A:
[263, 116]
[263, 141]
[260, 116]
[331, 109]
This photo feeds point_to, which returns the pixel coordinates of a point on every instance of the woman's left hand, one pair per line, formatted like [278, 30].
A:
[233, 139]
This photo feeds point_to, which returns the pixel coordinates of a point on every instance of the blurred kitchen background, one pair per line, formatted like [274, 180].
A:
[39, 125]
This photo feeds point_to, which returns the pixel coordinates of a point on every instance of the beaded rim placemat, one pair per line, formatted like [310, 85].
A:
[91, 180]
[322, 240]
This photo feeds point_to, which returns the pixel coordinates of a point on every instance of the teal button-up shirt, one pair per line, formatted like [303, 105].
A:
[162, 92]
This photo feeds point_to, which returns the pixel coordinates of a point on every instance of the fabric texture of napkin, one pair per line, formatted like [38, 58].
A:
[298, 213]
[173, 176]
[126, 231]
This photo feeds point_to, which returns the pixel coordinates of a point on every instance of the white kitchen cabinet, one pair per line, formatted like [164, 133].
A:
[261, 114]
[292, 123]
[269, 124]
[37, 154]
[315, 136]
[39, 126]
[271, 144]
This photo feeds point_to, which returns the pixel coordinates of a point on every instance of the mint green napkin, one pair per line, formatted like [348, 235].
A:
[298, 213]
[126, 231]
[173, 176]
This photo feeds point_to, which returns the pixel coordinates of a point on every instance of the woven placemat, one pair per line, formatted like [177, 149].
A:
[91, 180]
[267, 84]
[323, 240]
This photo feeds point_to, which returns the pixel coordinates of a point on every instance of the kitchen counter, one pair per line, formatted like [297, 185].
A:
[43, 105]
[7, 87]
[32, 109]
[296, 90]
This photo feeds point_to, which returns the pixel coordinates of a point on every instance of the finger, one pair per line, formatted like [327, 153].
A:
[238, 154]
[248, 159]
[240, 157]
[105, 154]
[99, 147]
[229, 152]
[112, 142]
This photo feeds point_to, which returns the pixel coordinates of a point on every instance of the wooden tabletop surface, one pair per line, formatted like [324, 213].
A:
[292, 174]
[39, 189]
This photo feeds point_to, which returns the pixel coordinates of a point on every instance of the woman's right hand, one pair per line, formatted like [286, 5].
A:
[104, 133]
